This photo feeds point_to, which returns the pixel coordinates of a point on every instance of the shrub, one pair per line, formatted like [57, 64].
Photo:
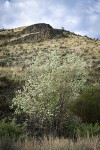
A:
[11, 130]
[88, 130]
[50, 84]
[87, 106]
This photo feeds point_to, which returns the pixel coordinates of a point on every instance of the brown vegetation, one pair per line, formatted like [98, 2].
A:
[51, 144]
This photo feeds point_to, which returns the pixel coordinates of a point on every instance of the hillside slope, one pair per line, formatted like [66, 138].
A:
[19, 46]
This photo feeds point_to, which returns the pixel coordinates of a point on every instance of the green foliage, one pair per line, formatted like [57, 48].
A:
[88, 130]
[11, 130]
[65, 126]
[8, 86]
[87, 106]
[50, 84]
[7, 144]
[68, 125]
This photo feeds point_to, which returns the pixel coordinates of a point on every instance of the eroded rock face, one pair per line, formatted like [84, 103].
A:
[37, 28]
[38, 32]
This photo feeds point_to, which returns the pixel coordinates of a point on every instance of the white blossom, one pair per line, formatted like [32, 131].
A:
[50, 80]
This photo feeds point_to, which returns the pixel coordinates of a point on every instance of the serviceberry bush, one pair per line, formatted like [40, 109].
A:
[51, 82]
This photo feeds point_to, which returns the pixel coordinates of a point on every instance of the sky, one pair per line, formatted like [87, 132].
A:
[78, 16]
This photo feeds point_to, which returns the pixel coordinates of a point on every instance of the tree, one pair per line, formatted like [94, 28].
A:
[50, 84]
[87, 106]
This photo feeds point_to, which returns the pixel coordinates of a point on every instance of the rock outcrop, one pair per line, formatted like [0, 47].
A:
[37, 28]
[38, 32]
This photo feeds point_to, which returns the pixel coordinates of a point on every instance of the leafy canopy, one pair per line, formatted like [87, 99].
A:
[50, 83]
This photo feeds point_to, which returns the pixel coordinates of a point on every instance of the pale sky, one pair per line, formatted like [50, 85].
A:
[79, 16]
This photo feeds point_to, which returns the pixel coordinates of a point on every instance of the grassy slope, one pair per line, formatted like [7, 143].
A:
[87, 48]
[14, 58]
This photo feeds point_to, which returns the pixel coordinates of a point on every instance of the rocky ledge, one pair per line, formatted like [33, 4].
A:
[38, 32]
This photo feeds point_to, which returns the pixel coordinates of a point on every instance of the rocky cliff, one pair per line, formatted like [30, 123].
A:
[38, 32]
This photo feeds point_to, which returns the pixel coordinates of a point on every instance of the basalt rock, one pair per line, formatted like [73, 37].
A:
[38, 32]
[37, 28]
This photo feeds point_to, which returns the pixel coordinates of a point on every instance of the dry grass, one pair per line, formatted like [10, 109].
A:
[63, 144]
[54, 144]
[87, 48]
[12, 71]
[19, 28]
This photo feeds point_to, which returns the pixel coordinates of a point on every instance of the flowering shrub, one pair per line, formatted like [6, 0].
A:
[51, 82]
